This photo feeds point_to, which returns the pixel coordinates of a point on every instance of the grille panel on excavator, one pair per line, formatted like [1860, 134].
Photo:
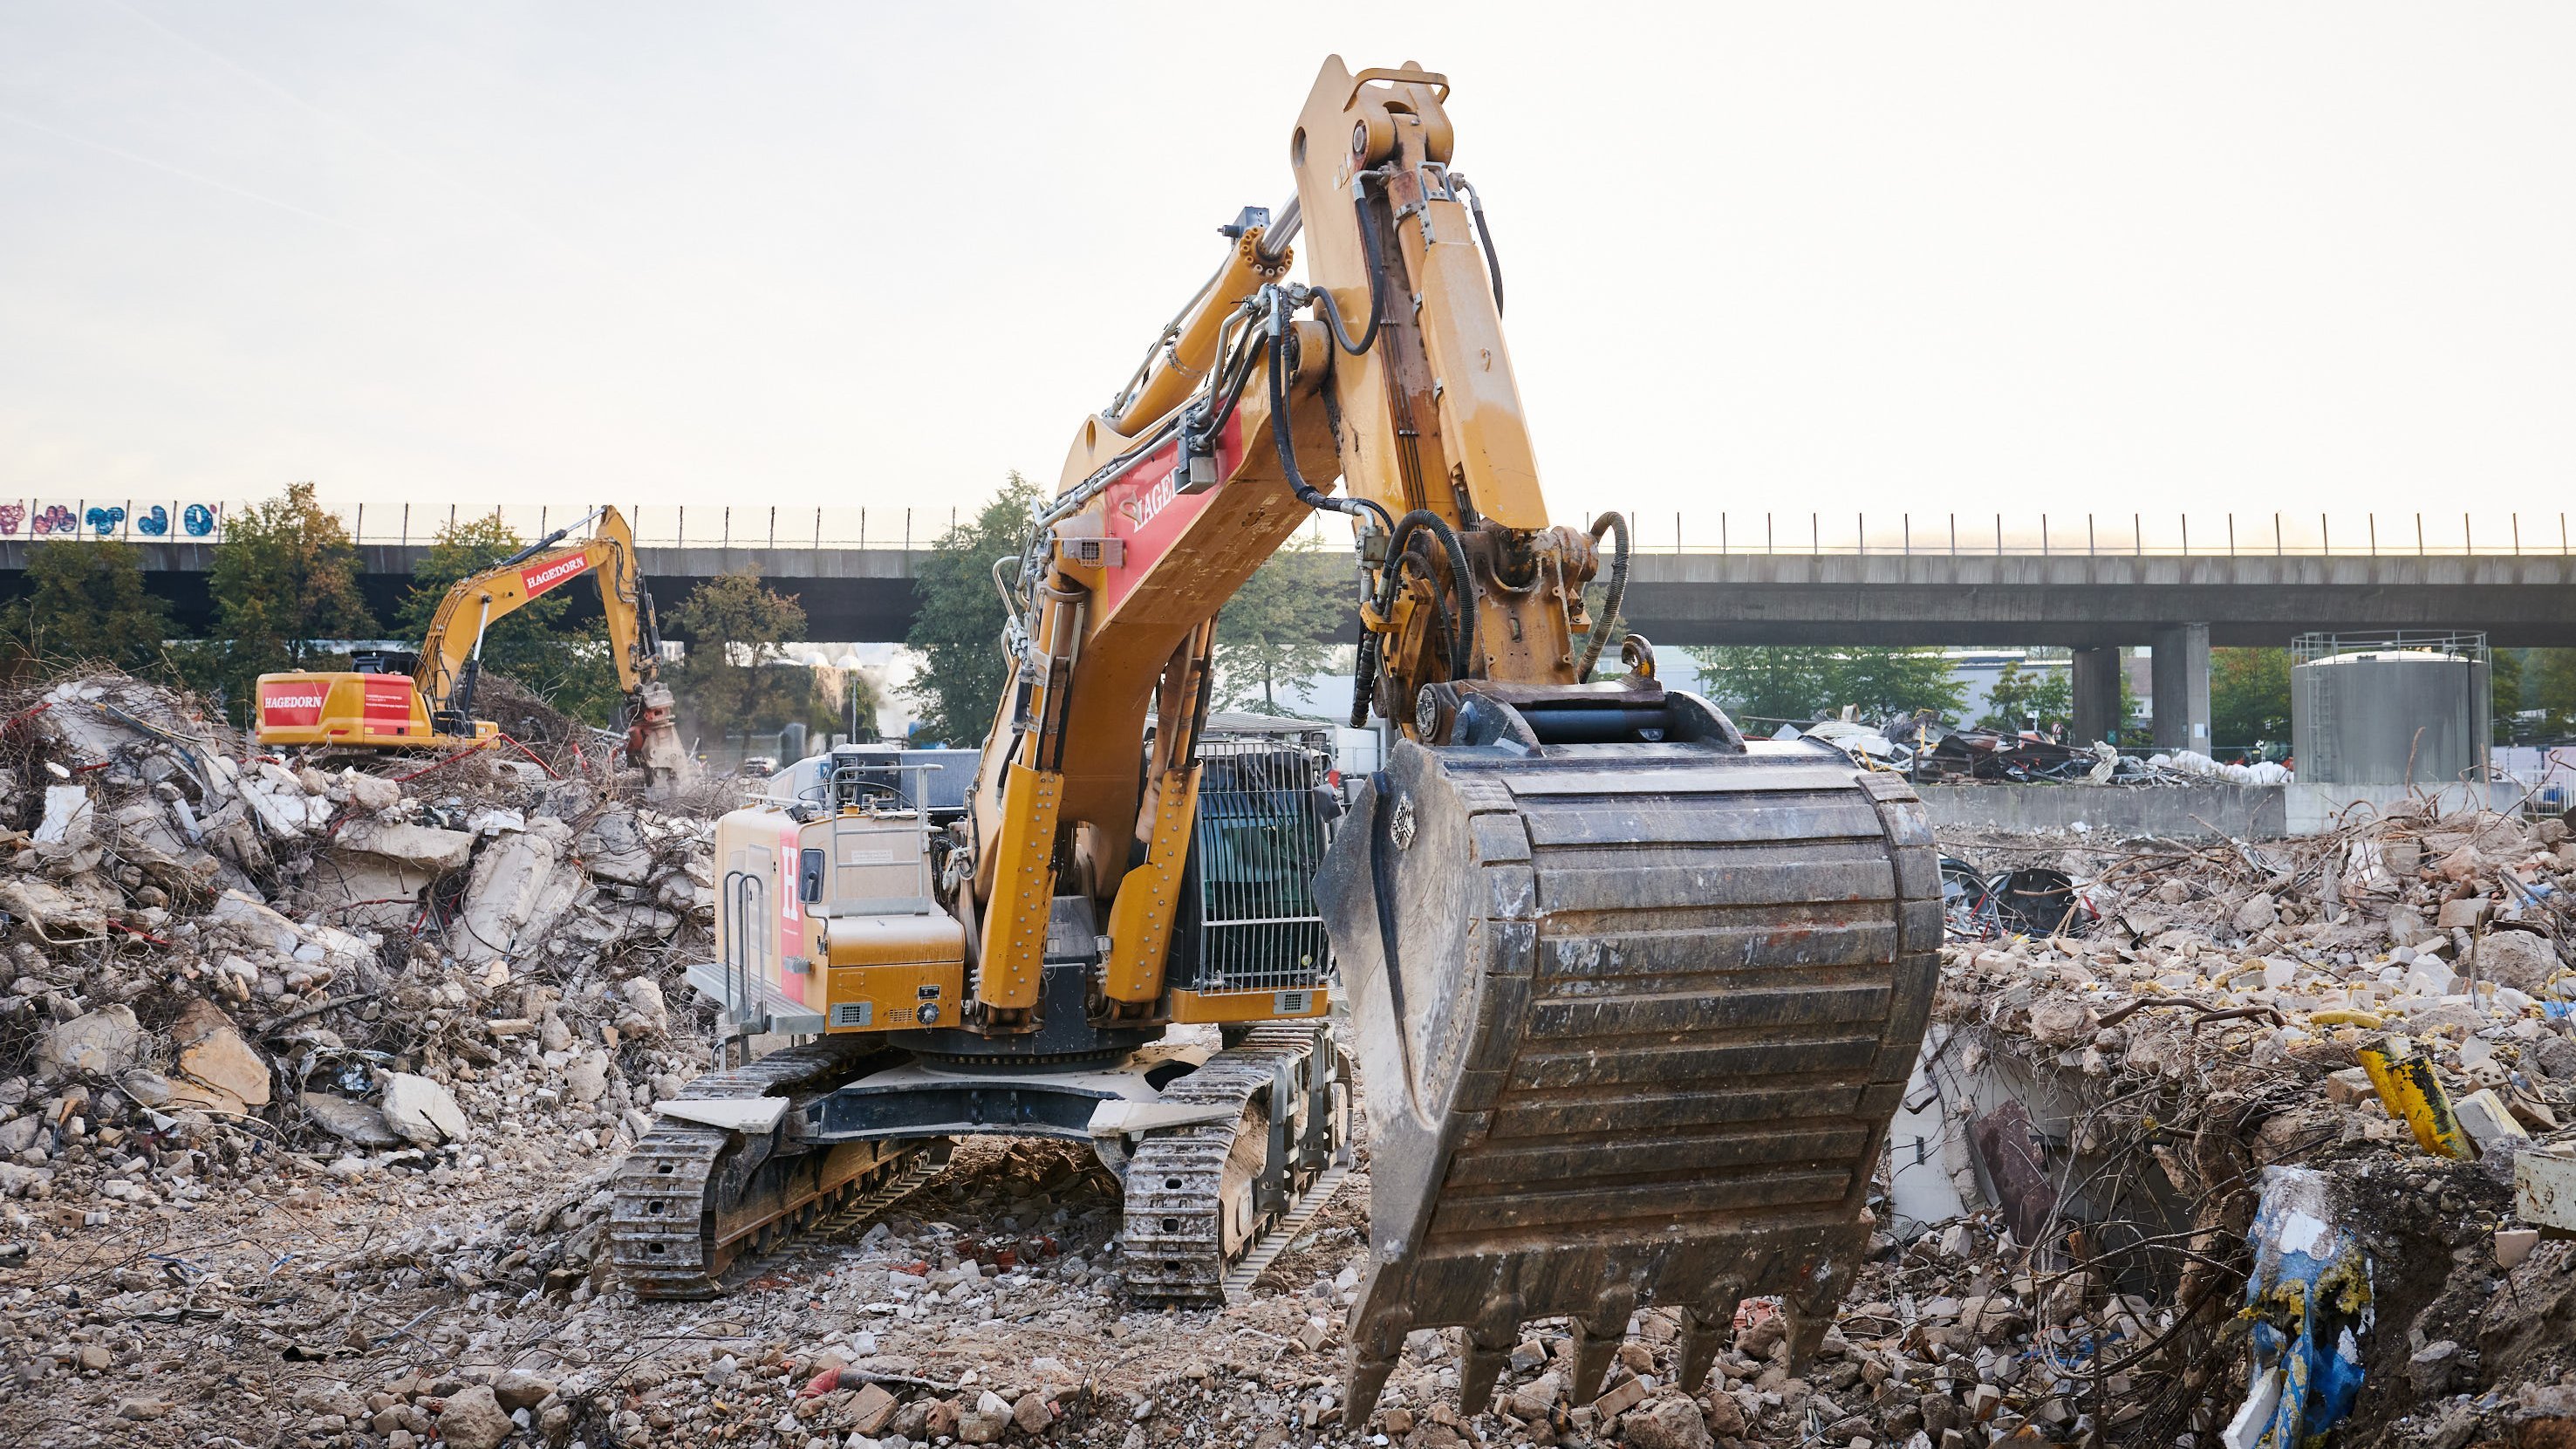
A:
[1632, 1021]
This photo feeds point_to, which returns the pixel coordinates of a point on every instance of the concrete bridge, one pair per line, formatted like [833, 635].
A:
[2178, 604]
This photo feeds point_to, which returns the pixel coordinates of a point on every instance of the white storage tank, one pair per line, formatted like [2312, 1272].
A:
[2395, 712]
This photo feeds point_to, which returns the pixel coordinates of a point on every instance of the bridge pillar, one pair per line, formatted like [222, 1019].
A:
[2096, 677]
[2181, 673]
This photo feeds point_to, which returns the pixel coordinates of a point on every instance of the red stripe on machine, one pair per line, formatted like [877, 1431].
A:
[535, 579]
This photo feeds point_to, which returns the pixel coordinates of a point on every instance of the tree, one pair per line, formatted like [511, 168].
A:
[734, 679]
[1883, 682]
[85, 602]
[2504, 681]
[1277, 629]
[959, 627]
[569, 664]
[1766, 683]
[285, 582]
[2249, 696]
[2553, 690]
[2020, 693]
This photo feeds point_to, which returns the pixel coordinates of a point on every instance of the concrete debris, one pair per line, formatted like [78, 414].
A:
[423, 1110]
[361, 1123]
[446, 1006]
[218, 1071]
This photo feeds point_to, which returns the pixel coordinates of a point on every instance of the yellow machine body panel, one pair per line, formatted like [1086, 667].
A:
[350, 708]
[1200, 1008]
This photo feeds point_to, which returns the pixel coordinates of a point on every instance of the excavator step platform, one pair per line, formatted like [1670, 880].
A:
[1632, 1020]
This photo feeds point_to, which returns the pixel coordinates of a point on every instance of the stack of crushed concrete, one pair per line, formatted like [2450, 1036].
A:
[2268, 1150]
[315, 1081]
[225, 968]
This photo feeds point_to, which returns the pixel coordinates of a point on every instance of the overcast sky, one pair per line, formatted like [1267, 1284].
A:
[1875, 257]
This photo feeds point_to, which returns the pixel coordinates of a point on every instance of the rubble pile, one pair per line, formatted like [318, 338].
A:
[312, 1085]
[2369, 1026]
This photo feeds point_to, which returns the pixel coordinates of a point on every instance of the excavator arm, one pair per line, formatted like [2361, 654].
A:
[451, 652]
[1634, 997]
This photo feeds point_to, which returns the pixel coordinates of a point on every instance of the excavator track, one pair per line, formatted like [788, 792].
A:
[691, 1198]
[1633, 1019]
[1196, 1207]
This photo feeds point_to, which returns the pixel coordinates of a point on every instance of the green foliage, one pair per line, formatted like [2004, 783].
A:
[2505, 690]
[959, 628]
[2019, 693]
[2249, 696]
[2552, 674]
[733, 681]
[85, 603]
[285, 579]
[1277, 628]
[569, 664]
[1762, 683]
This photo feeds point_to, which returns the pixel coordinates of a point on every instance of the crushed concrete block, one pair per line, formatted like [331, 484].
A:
[419, 847]
[358, 1122]
[99, 1043]
[2350, 1086]
[370, 793]
[520, 887]
[218, 1071]
[2258, 913]
[60, 912]
[2512, 1245]
[2464, 914]
[422, 1110]
[2517, 959]
[2485, 1118]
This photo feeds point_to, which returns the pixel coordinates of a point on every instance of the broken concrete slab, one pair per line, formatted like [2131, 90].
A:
[521, 886]
[98, 1043]
[422, 1110]
[218, 1070]
[357, 1122]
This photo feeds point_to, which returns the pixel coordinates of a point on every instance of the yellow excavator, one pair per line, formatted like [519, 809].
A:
[432, 705]
[1633, 997]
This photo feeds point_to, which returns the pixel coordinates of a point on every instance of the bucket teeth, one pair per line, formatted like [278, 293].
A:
[1478, 1368]
[1632, 1025]
[1597, 1342]
[1701, 1335]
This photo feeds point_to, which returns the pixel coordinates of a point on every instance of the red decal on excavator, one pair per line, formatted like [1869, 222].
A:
[292, 702]
[388, 699]
[791, 918]
[535, 579]
[1147, 508]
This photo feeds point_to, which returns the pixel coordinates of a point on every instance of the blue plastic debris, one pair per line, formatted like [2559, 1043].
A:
[2309, 1298]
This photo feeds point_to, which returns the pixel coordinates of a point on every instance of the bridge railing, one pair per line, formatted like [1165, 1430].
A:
[2473, 533]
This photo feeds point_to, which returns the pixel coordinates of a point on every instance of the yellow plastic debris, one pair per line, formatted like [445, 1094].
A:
[2410, 1091]
[2345, 1016]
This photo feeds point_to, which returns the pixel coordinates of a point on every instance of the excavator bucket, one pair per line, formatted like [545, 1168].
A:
[1632, 1020]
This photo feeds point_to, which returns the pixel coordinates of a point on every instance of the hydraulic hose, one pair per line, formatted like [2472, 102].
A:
[1462, 623]
[1484, 234]
[1607, 523]
[1281, 438]
[1376, 278]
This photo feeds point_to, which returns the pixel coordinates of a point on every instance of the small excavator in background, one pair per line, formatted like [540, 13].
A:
[1634, 997]
[426, 701]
